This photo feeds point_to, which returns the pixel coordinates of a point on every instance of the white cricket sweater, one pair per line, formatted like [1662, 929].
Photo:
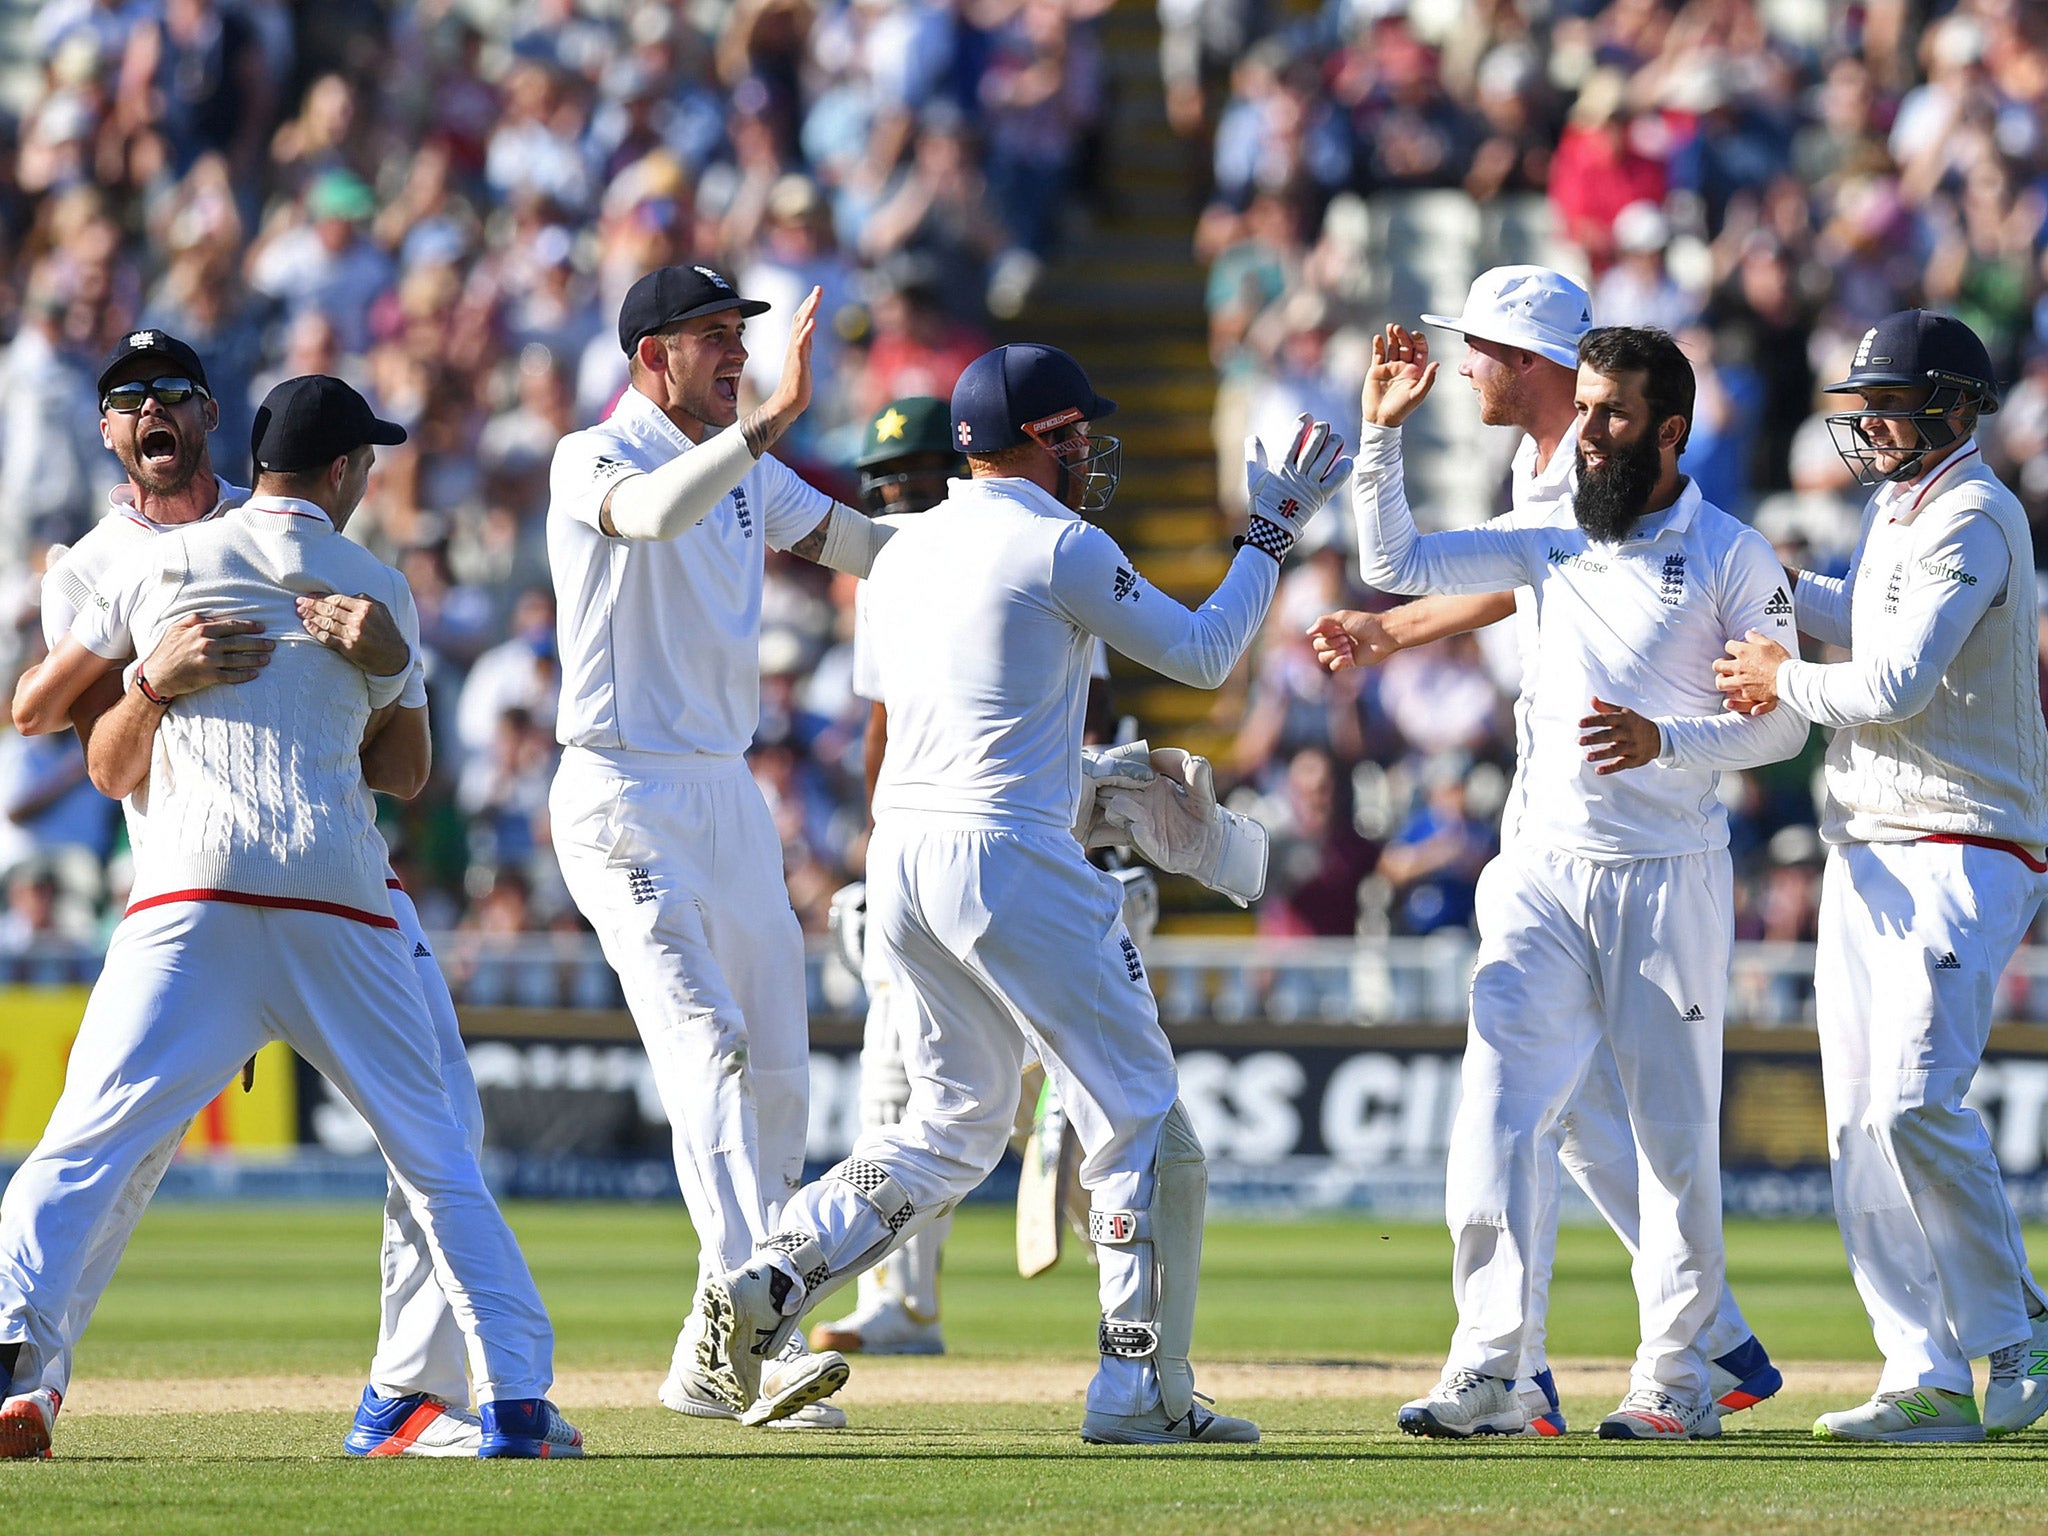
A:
[1937, 713]
[256, 789]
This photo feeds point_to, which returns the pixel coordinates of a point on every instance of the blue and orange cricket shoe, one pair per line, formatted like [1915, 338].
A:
[1539, 1399]
[528, 1427]
[1742, 1378]
[417, 1425]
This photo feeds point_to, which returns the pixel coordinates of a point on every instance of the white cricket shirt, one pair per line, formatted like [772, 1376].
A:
[1637, 623]
[660, 640]
[69, 584]
[1538, 499]
[1937, 713]
[256, 788]
[978, 623]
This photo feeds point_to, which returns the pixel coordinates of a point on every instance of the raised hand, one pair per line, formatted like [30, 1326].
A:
[1400, 378]
[1285, 495]
[778, 413]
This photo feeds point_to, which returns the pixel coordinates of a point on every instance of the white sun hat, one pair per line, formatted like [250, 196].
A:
[1534, 308]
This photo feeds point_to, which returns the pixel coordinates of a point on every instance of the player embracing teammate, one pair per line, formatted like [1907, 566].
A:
[1936, 821]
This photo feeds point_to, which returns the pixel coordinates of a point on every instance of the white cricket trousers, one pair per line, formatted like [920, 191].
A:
[1593, 1143]
[190, 991]
[678, 867]
[420, 1346]
[1913, 939]
[1009, 941]
[1572, 953]
[910, 1274]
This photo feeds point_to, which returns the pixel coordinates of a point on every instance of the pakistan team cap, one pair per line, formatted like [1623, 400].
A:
[915, 424]
[154, 343]
[1005, 396]
[670, 295]
[310, 421]
[1533, 308]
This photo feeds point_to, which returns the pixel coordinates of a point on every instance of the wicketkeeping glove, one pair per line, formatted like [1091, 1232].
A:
[1176, 825]
[1284, 496]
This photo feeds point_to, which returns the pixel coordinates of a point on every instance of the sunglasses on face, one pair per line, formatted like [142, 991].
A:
[127, 399]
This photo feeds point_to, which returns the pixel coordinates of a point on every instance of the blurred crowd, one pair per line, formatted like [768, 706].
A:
[444, 204]
[1763, 178]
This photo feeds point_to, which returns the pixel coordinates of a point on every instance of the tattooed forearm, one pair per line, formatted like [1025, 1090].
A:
[761, 431]
[812, 544]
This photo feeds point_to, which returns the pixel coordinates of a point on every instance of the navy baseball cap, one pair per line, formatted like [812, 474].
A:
[1919, 346]
[150, 342]
[1010, 395]
[670, 295]
[310, 421]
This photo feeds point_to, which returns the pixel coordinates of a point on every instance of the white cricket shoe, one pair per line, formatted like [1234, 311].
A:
[1197, 1427]
[1922, 1416]
[1648, 1414]
[1465, 1403]
[2017, 1394]
[691, 1390]
[1539, 1402]
[793, 1388]
[885, 1328]
[25, 1424]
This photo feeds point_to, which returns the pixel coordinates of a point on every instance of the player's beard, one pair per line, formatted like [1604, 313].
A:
[1500, 400]
[1611, 498]
[160, 477]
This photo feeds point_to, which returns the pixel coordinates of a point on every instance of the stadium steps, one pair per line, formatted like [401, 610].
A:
[1126, 297]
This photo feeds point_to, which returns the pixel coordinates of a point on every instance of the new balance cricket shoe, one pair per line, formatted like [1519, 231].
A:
[1198, 1426]
[686, 1392]
[1922, 1416]
[1539, 1401]
[26, 1421]
[1648, 1414]
[1743, 1377]
[530, 1427]
[1463, 1404]
[2017, 1394]
[885, 1328]
[417, 1425]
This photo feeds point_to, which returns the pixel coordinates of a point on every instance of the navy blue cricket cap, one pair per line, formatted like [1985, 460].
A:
[670, 295]
[1005, 396]
[310, 421]
[1919, 346]
[151, 342]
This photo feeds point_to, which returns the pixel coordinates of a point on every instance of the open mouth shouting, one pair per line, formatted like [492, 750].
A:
[726, 386]
[159, 447]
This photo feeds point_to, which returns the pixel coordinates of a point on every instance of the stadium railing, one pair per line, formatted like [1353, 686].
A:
[1201, 980]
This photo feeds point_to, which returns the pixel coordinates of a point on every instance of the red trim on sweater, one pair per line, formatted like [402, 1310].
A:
[1996, 844]
[282, 903]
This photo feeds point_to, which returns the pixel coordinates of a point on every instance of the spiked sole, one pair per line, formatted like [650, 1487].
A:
[1420, 1421]
[24, 1436]
[715, 1366]
[830, 1375]
[1960, 1434]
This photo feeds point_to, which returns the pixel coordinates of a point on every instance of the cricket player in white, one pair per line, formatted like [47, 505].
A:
[1612, 914]
[657, 530]
[1936, 821]
[157, 418]
[982, 613]
[1522, 327]
[260, 904]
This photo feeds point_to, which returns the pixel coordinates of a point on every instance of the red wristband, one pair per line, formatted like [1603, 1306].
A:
[150, 693]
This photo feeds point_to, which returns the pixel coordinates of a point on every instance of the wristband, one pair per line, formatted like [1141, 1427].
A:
[150, 693]
[1268, 538]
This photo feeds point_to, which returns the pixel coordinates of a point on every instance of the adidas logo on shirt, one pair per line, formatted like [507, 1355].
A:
[1780, 605]
[1948, 962]
[1694, 1015]
[421, 952]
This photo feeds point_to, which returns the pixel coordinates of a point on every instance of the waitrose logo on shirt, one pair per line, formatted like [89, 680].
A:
[1578, 559]
[1951, 572]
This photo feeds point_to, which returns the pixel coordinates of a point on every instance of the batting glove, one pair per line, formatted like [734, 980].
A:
[1284, 496]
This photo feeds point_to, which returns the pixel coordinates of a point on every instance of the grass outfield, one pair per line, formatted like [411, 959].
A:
[218, 1306]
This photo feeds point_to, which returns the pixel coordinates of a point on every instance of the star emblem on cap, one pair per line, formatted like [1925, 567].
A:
[889, 426]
